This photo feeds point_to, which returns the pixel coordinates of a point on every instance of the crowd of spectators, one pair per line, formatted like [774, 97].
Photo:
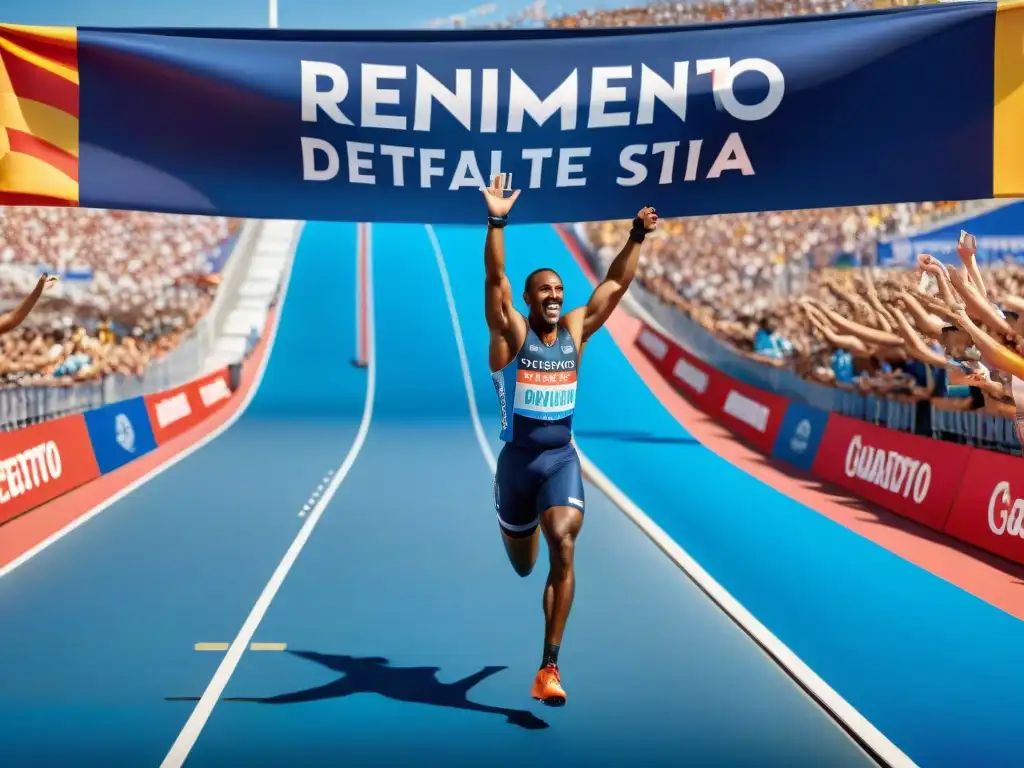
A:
[678, 13]
[728, 266]
[131, 286]
[895, 333]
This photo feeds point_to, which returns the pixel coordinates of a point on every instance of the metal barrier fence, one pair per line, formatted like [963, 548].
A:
[975, 428]
[22, 406]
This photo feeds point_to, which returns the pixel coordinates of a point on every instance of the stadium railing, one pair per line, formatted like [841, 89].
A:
[22, 406]
[972, 428]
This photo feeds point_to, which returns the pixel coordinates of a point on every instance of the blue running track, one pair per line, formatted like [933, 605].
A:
[410, 641]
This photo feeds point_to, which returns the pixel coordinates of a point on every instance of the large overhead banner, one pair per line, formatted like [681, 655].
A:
[910, 104]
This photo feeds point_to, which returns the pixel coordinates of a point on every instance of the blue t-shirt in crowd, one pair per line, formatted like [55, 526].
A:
[771, 344]
[917, 370]
[842, 366]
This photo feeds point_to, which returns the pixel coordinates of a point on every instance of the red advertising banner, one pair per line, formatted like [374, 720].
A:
[915, 477]
[989, 508]
[41, 462]
[177, 410]
[698, 381]
[753, 414]
[659, 349]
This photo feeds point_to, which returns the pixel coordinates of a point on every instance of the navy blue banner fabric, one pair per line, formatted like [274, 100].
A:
[406, 126]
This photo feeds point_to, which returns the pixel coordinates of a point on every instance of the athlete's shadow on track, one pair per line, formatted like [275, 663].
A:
[412, 684]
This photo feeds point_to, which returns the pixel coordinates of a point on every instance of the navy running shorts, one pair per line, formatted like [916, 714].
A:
[528, 482]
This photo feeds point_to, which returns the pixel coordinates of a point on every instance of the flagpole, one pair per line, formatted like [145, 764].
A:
[272, 14]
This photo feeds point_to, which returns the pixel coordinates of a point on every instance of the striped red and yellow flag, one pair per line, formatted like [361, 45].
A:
[38, 115]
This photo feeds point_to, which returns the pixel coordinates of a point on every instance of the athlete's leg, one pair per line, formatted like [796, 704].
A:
[517, 515]
[561, 522]
[561, 526]
[522, 550]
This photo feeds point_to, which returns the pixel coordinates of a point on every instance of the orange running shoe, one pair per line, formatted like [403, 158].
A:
[547, 686]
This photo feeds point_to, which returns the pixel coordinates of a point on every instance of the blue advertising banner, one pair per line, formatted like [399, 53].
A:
[920, 103]
[800, 435]
[1000, 235]
[120, 433]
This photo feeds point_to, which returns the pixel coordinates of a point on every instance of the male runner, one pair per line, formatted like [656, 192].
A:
[534, 362]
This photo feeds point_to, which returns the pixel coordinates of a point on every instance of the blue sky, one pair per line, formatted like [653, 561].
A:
[337, 14]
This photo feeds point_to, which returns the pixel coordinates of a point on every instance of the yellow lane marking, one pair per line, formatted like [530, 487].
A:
[252, 646]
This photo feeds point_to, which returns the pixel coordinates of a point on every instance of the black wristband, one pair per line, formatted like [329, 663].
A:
[639, 231]
[498, 222]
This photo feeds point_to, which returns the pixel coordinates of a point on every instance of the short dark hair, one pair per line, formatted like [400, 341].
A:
[1011, 315]
[529, 277]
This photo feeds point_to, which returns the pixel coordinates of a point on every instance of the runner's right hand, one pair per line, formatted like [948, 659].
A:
[497, 204]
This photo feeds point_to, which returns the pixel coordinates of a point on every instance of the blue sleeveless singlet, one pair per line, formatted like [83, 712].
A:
[537, 393]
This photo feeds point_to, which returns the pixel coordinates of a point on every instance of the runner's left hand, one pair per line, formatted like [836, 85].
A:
[649, 218]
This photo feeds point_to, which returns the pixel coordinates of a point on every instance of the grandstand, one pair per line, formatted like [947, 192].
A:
[132, 289]
[733, 287]
[696, 12]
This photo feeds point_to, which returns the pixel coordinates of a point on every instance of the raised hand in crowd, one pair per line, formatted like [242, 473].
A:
[11, 320]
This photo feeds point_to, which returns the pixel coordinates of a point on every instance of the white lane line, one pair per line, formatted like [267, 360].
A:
[858, 726]
[842, 711]
[360, 355]
[186, 452]
[311, 501]
[204, 708]
[474, 412]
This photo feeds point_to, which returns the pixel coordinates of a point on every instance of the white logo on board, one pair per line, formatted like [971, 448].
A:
[801, 435]
[124, 433]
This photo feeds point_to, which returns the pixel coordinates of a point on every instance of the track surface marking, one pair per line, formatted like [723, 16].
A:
[931, 666]
[25, 536]
[324, 492]
[405, 590]
[100, 627]
[402, 591]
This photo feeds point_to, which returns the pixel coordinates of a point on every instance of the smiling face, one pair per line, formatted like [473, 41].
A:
[544, 295]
